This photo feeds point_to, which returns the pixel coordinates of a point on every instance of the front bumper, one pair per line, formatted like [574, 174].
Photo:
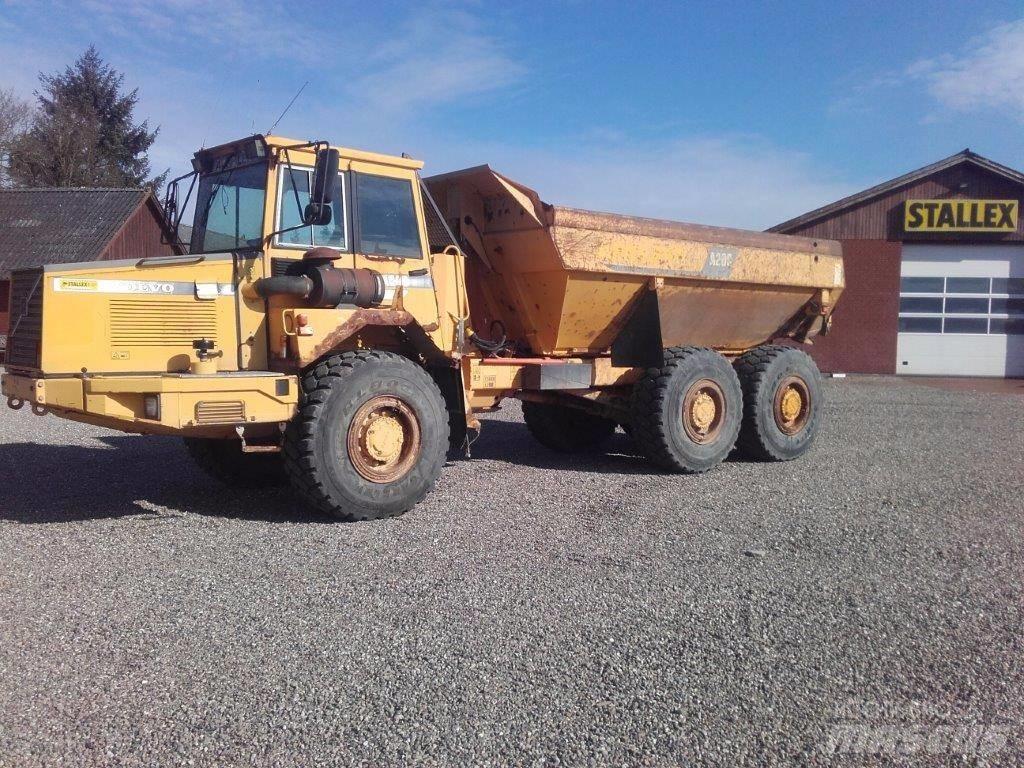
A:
[192, 404]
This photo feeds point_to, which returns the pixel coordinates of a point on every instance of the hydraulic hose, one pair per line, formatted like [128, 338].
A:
[284, 285]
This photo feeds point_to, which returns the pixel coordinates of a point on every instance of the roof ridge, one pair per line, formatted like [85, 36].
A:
[74, 189]
[876, 190]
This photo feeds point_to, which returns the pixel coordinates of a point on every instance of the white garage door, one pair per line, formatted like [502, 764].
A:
[961, 310]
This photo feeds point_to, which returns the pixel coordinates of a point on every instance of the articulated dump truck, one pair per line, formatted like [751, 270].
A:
[340, 323]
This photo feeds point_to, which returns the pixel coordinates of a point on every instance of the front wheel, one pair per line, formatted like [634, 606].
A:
[686, 414]
[370, 438]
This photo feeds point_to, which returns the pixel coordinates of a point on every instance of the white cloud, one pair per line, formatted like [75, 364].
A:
[437, 57]
[737, 180]
[987, 74]
[390, 92]
[241, 27]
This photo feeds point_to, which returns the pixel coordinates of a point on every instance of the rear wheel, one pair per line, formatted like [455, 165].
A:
[566, 430]
[686, 414]
[782, 397]
[225, 461]
[370, 438]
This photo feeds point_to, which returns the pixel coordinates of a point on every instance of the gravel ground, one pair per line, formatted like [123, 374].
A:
[536, 609]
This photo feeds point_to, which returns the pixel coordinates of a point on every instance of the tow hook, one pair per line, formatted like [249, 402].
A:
[15, 403]
[40, 410]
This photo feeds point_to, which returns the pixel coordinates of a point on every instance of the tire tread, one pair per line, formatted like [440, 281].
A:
[649, 429]
[299, 452]
[752, 367]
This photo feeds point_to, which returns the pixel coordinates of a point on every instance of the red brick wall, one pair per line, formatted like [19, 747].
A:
[863, 336]
[5, 297]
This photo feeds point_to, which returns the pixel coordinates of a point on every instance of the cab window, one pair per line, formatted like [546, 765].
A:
[332, 235]
[386, 217]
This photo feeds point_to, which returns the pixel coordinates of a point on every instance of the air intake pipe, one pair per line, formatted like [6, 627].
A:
[323, 285]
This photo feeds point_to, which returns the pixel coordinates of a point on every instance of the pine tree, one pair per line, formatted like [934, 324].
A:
[84, 132]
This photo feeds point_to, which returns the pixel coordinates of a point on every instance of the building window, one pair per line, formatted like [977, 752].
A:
[921, 285]
[962, 305]
[1007, 285]
[1008, 326]
[1007, 306]
[965, 325]
[966, 306]
[332, 235]
[921, 304]
[967, 285]
[920, 324]
[386, 217]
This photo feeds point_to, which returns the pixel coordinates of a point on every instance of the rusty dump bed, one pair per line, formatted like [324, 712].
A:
[563, 281]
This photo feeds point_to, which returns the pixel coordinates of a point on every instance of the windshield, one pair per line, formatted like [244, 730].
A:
[229, 209]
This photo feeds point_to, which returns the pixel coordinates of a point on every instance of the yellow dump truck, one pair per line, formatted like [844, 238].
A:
[339, 322]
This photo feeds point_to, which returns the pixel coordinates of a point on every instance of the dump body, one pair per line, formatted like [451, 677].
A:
[568, 282]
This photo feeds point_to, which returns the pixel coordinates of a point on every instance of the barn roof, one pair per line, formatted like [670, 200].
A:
[61, 225]
[960, 158]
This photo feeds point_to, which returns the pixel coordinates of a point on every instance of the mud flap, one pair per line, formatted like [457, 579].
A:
[639, 342]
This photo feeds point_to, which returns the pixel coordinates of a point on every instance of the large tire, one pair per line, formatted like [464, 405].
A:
[686, 414]
[782, 396]
[566, 430]
[370, 437]
[225, 461]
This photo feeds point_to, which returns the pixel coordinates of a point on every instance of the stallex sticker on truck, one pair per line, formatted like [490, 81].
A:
[960, 215]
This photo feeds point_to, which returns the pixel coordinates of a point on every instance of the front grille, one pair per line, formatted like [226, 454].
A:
[25, 336]
[220, 412]
[161, 322]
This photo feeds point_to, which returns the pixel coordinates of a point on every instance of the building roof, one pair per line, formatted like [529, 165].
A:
[61, 225]
[966, 156]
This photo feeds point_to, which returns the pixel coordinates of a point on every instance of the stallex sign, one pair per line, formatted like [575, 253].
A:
[960, 215]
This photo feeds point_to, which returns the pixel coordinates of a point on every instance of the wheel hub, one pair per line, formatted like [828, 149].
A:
[792, 405]
[383, 440]
[703, 411]
[384, 437]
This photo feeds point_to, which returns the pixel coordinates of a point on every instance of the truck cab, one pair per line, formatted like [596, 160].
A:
[192, 336]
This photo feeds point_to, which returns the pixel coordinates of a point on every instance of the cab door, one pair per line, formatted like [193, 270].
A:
[390, 237]
[290, 195]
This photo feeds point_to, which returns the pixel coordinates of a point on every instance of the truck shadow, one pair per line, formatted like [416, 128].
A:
[152, 478]
[121, 476]
[510, 442]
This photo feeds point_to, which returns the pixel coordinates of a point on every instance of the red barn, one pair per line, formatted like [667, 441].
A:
[61, 226]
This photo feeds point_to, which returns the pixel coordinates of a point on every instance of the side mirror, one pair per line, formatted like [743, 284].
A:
[324, 174]
[317, 215]
[318, 212]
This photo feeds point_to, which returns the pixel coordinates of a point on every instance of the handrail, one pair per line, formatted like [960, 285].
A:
[157, 261]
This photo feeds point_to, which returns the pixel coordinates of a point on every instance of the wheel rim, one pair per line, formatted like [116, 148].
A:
[792, 407]
[703, 411]
[384, 439]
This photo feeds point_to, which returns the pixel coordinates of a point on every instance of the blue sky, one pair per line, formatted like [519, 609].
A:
[738, 114]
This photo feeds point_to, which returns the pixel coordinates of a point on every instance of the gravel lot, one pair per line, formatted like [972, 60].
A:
[536, 609]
